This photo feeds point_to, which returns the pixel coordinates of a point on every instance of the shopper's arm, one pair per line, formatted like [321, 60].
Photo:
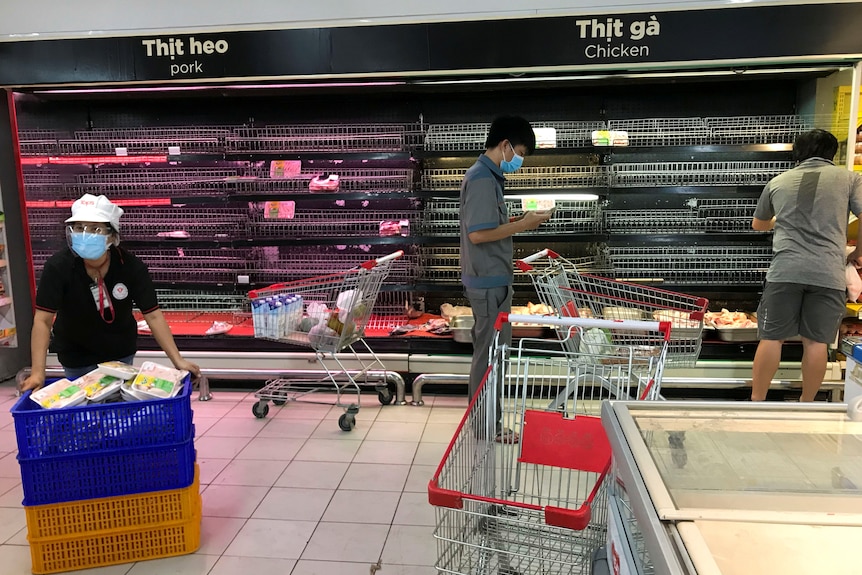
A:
[762, 225]
[40, 338]
[855, 257]
[162, 334]
[529, 221]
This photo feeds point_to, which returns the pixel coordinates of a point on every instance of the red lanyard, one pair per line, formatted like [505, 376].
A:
[103, 297]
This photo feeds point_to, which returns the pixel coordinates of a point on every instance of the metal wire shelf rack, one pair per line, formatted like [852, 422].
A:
[274, 266]
[350, 180]
[726, 214]
[663, 131]
[701, 216]
[696, 173]
[700, 265]
[552, 178]
[468, 137]
[47, 185]
[145, 140]
[39, 142]
[46, 223]
[757, 129]
[191, 265]
[441, 218]
[199, 223]
[203, 301]
[331, 222]
[442, 265]
[326, 138]
[147, 183]
[389, 310]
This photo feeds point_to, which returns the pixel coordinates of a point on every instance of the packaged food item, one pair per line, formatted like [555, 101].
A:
[98, 385]
[61, 393]
[118, 369]
[158, 381]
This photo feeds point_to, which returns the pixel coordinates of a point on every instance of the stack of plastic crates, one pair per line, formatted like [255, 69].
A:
[539, 506]
[108, 483]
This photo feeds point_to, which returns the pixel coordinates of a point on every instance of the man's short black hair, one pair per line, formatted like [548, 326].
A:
[513, 128]
[815, 144]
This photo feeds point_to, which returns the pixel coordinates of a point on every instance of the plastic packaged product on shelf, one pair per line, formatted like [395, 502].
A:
[158, 381]
[324, 183]
[610, 138]
[61, 393]
[279, 210]
[285, 168]
[394, 228]
[118, 369]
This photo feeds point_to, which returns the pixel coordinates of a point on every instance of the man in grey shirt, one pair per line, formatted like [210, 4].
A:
[487, 268]
[808, 206]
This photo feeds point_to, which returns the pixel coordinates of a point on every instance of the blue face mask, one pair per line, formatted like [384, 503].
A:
[89, 246]
[509, 166]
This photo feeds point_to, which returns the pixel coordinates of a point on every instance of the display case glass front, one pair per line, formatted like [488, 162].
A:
[731, 463]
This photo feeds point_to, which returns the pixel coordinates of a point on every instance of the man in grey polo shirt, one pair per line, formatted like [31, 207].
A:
[808, 206]
[487, 268]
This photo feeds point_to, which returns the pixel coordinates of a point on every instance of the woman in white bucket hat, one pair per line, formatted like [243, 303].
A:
[86, 295]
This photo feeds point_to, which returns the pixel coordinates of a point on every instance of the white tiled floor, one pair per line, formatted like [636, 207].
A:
[290, 494]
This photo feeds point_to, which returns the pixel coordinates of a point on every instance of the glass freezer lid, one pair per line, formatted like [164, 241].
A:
[727, 461]
[743, 548]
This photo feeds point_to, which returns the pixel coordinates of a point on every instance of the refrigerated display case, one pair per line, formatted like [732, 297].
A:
[733, 488]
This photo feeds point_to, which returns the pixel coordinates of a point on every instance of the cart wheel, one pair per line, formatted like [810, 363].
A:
[279, 402]
[346, 422]
[260, 409]
[385, 397]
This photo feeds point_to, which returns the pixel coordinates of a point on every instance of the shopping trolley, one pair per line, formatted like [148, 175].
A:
[539, 506]
[563, 287]
[328, 314]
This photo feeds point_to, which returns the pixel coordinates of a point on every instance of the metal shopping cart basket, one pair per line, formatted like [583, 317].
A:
[328, 314]
[573, 294]
[539, 506]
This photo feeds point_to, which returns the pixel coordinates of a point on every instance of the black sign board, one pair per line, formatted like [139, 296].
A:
[767, 34]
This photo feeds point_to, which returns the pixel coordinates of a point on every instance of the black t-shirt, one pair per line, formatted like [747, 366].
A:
[81, 334]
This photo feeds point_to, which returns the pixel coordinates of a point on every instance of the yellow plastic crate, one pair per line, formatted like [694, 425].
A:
[111, 548]
[137, 511]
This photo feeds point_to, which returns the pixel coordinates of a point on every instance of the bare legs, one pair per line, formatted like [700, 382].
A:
[814, 358]
[767, 358]
[766, 361]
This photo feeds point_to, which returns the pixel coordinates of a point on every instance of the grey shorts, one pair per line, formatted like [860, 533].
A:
[788, 309]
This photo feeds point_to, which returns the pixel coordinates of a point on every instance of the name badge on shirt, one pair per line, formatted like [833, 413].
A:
[106, 303]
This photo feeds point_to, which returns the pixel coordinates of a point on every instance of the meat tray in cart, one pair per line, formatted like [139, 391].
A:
[327, 314]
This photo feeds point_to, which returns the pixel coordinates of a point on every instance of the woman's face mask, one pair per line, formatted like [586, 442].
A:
[89, 246]
[509, 166]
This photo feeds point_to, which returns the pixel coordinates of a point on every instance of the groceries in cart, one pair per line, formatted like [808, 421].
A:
[61, 393]
[99, 386]
[327, 314]
[113, 381]
[155, 381]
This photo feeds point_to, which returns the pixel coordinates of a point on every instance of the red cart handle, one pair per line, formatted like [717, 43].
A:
[524, 264]
[370, 264]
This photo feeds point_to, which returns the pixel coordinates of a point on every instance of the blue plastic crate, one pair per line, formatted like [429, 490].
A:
[95, 427]
[107, 473]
